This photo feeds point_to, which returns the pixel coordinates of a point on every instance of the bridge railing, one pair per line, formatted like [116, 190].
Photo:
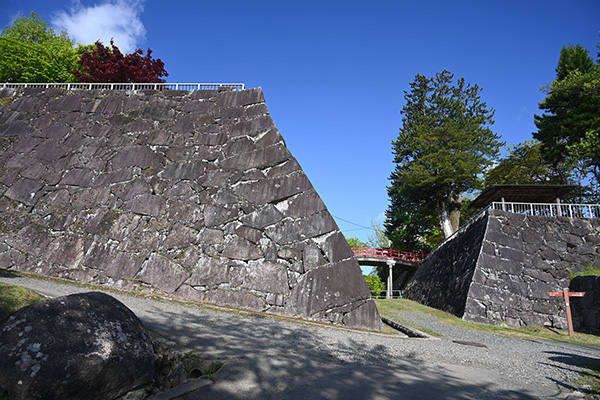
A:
[127, 86]
[382, 294]
[388, 253]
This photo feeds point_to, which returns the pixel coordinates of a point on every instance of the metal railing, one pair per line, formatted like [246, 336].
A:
[550, 209]
[127, 86]
[581, 211]
[387, 253]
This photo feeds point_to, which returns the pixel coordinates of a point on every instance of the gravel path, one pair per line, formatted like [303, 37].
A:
[268, 358]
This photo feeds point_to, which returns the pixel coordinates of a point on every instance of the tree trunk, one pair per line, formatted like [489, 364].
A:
[449, 214]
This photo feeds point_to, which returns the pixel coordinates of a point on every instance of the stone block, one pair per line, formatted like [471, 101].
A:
[146, 204]
[306, 228]
[65, 103]
[241, 98]
[209, 271]
[24, 191]
[216, 215]
[241, 249]
[235, 299]
[78, 177]
[328, 286]
[363, 317]
[260, 158]
[162, 273]
[50, 151]
[137, 156]
[511, 254]
[112, 261]
[265, 276]
[336, 247]
[188, 171]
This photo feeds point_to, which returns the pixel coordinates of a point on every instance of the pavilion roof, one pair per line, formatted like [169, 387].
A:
[521, 194]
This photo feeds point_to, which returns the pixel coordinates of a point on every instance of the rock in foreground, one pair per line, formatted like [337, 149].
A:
[82, 346]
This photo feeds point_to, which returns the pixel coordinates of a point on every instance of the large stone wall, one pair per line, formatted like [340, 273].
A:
[520, 259]
[190, 194]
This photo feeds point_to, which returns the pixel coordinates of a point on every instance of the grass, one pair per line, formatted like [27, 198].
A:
[14, 297]
[591, 379]
[394, 309]
[589, 270]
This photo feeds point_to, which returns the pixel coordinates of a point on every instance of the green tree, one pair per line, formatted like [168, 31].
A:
[444, 146]
[526, 165]
[375, 285]
[573, 58]
[30, 51]
[379, 238]
[355, 242]
[569, 127]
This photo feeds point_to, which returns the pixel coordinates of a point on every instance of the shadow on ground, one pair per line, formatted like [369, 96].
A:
[270, 359]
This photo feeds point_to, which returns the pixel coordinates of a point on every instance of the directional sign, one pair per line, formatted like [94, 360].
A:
[566, 294]
[571, 294]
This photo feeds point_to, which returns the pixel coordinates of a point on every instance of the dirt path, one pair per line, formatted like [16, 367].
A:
[267, 358]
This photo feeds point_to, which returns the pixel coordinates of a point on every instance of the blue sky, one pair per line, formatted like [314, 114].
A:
[333, 72]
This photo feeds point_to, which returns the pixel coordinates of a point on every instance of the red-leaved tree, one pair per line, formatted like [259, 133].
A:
[104, 64]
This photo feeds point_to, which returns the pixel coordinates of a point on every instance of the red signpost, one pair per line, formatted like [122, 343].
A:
[566, 294]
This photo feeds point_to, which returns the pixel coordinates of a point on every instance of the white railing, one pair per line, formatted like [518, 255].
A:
[581, 211]
[127, 86]
[550, 209]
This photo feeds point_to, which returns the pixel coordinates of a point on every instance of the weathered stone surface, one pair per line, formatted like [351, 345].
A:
[163, 273]
[24, 191]
[361, 316]
[80, 346]
[190, 194]
[326, 287]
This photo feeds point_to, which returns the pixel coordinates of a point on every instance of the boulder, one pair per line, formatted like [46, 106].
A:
[82, 346]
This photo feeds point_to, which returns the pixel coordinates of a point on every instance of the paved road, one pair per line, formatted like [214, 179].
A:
[267, 358]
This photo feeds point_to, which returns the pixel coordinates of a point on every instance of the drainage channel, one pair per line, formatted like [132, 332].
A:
[410, 332]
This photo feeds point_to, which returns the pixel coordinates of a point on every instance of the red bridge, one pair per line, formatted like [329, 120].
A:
[369, 252]
[405, 263]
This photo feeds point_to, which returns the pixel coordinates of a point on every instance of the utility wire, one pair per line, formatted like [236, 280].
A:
[353, 223]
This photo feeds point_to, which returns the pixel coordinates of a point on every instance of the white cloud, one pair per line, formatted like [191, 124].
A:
[117, 19]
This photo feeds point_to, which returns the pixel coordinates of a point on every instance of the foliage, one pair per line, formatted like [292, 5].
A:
[30, 51]
[375, 284]
[355, 242]
[569, 128]
[573, 58]
[526, 165]
[444, 146]
[379, 238]
[104, 64]
[13, 298]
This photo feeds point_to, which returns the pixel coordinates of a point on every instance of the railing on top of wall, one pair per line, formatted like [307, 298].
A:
[582, 211]
[551, 209]
[127, 86]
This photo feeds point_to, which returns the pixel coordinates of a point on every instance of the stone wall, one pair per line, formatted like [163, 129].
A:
[444, 277]
[521, 258]
[190, 194]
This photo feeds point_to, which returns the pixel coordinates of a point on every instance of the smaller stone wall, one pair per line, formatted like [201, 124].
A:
[522, 258]
[586, 310]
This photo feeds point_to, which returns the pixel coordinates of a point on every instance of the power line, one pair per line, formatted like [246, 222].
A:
[353, 223]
